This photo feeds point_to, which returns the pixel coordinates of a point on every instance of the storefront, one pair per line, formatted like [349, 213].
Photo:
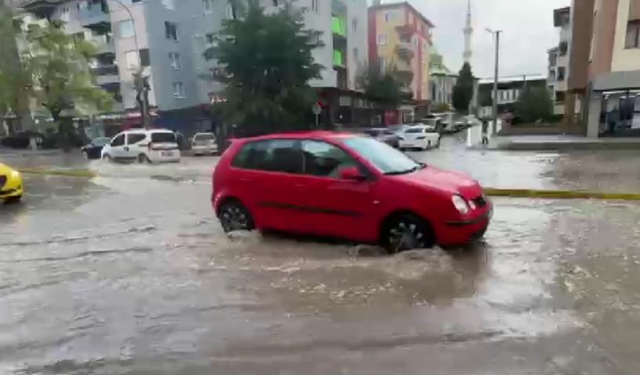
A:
[613, 106]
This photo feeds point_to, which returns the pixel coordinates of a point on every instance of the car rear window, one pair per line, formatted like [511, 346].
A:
[278, 155]
[415, 131]
[204, 137]
[163, 138]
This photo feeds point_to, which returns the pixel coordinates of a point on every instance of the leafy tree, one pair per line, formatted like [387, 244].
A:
[534, 104]
[14, 83]
[382, 85]
[463, 89]
[267, 64]
[57, 66]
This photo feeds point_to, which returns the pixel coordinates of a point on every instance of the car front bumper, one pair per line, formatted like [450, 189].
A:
[455, 233]
[203, 150]
[12, 188]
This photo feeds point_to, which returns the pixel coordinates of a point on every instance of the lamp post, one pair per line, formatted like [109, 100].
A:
[140, 82]
[494, 128]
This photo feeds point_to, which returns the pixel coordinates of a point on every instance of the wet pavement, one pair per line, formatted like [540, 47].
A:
[130, 273]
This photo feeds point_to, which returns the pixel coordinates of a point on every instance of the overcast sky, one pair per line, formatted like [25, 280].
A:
[527, 25]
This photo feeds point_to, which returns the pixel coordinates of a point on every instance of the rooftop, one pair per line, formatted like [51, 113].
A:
[400, 5]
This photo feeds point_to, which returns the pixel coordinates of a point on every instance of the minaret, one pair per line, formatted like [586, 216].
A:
[468, 34]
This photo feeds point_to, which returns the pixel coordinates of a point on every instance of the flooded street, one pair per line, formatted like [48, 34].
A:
[130, 273]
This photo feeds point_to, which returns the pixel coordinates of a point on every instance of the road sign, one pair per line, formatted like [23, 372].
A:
[316, 109]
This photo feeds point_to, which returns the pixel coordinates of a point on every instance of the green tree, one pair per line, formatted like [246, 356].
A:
[534, 104]
[463, 89]
[267, 65]
[381, 85]
[57, 64]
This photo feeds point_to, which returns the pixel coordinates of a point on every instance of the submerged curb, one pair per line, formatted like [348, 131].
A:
[59, 172]
[559, 194]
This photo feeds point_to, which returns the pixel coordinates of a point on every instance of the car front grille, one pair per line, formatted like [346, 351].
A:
[480, 201]
[3, 180]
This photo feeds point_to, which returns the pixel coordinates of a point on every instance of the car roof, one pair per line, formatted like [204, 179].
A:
[145, 131]
[316, 134]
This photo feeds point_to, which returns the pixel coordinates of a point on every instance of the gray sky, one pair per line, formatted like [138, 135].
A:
[527, 25]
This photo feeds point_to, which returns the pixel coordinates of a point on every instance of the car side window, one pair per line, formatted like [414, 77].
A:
[278, 155]
[322, 159]
[118, 141]
[135, 138]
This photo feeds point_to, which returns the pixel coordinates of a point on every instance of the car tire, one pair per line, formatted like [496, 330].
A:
[143, 159]
[107, 158]
[13, 200]
[405, 232]
[234, 217]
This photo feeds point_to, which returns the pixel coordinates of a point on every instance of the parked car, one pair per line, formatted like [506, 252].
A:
[385, 135]
[348, 186]
[420, 136]
[11, 188]
[93, 150]
[204, 143]
[143, 146]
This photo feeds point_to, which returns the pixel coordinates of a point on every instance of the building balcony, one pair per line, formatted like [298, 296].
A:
[41, 8]
[404, 75]
[95, 17]
[405, 51]
[339, 59]
[406, 30]
[104, 44]
[105, 70]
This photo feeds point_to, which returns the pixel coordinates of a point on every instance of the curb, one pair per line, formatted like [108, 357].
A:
[559, 194]
[59, 172]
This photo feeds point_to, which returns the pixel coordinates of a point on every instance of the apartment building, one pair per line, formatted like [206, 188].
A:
[168, 39]
[604, 66]
[441, 81]
[559, 59]
[400, 38]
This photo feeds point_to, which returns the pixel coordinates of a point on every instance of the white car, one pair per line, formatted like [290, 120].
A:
[143, 146]
[204, 143]
[421, 136]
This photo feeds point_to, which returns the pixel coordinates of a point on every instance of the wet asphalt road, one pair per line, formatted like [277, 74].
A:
[130, 273]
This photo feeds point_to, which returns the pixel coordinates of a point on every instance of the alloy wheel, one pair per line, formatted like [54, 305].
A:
[234, 217]
[407, 233]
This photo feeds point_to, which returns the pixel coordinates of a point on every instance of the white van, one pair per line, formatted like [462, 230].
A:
[143, 146]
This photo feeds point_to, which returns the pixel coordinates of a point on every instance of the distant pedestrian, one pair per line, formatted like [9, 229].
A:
[485, 132]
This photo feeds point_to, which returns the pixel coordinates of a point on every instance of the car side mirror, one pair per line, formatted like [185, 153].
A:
[352, 174]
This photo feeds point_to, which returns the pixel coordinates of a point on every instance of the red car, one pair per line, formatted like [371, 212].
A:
[344, 185]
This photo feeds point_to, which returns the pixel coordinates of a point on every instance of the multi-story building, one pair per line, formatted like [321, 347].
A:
[559, 59]
[400, 38]
[168, 39]
[509, 90]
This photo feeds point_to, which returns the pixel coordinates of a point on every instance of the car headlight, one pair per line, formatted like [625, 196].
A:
[460, 204]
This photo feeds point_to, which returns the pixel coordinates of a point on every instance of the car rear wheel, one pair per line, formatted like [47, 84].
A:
[407, 232]
[234, 217]
[108, 158]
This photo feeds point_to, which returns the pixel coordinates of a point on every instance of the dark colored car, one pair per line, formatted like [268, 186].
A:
[94, 149]
[344, 185]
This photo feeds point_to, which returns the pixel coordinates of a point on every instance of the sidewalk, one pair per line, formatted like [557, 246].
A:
[561, 143]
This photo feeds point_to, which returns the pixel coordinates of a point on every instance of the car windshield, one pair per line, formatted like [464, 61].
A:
[204, 137]
[163, 138]
[387, 159]
[101, 141]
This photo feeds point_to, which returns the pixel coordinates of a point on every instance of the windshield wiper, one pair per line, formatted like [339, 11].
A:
[407, 171]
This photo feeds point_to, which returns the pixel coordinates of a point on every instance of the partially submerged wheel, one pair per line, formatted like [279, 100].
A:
[143, 159]
[234, 217]
[407, 232]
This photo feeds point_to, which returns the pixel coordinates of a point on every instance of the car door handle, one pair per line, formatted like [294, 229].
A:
[126, 148]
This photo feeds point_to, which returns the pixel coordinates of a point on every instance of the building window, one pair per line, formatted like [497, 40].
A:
[389, 16]
[168, 4]
[564, 47]
[178, 90]
[211, 39]
[415, 40]
[561, 73]
[64, 14]
[354, 24]
[315, 6]
[356, 56]
[145, 59]
[208, 6]
[174, 59]
[131, 58]
[125, 29]
[276, 3]
[171, 30]
[382, 40]
[633, 35]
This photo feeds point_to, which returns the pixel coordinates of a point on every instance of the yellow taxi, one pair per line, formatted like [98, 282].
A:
[11, 189]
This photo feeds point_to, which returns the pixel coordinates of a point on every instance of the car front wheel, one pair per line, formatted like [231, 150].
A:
[407, 232]
[234, 217]
[107, 157]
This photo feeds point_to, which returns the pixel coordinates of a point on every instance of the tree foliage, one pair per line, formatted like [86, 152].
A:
[463, 89]
[534, 104]
[381, 85]
[267, 65]
[57, 66]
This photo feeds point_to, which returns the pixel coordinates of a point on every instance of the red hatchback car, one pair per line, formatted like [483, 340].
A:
[345, 185]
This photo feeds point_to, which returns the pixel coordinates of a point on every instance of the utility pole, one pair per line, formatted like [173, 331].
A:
[494, 128]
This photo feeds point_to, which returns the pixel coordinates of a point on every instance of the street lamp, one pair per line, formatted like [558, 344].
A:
[494, 128]
[140, 82]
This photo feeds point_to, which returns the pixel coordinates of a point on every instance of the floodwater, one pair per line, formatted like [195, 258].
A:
[131, 274]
